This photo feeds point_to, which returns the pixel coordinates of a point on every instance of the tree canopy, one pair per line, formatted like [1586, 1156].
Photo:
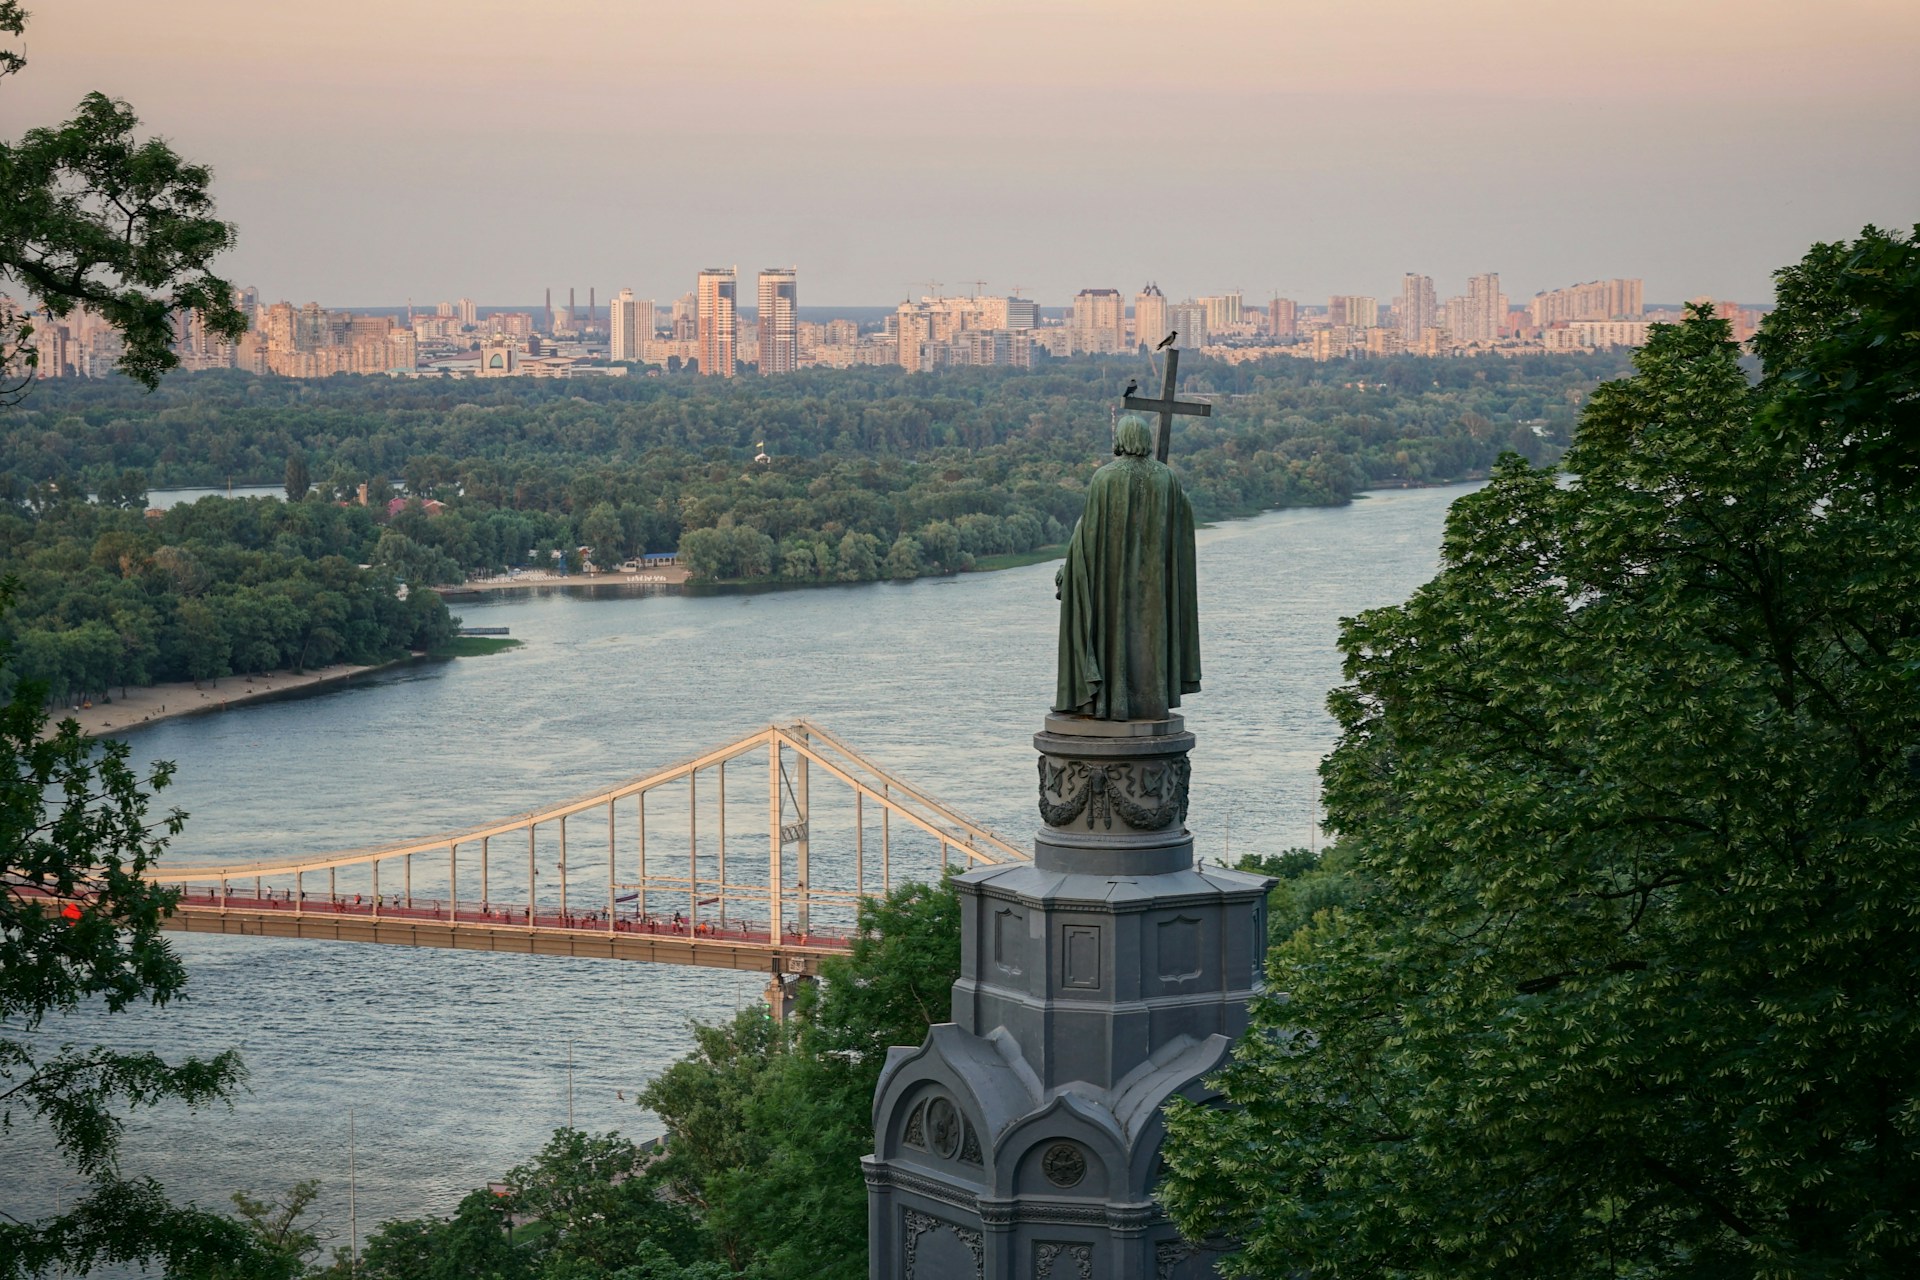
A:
[79, 922]
[1629, 797]
[766, 1123]
[93, 216]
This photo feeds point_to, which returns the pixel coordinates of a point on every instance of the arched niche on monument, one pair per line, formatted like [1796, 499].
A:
[941, 1128]
[1060, 1153]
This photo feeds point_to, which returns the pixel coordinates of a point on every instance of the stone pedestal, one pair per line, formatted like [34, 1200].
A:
[1112, 974]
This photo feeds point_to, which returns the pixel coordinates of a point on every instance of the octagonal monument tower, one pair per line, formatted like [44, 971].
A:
[1107, 977]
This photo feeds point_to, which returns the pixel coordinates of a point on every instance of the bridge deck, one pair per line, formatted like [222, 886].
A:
[469, 927]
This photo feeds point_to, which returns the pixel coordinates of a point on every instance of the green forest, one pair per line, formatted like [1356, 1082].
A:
[105, 598]
[868, 474]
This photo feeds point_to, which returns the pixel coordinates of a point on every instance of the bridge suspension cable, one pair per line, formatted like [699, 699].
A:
[698, 903]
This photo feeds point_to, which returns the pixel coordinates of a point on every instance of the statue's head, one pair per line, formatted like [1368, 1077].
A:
[1132, 438]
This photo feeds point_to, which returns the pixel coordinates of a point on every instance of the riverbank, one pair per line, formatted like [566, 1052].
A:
[167, 701]
[539, 580]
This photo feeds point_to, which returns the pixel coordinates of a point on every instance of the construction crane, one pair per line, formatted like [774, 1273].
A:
[932, 286]
[978, 285]
[1017, 290]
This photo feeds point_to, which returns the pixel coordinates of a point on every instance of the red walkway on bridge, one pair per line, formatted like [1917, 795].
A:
[475, 913]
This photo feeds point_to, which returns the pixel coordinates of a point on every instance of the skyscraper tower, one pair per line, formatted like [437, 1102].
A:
[779, 305]
[593, 307]
[1283, 317]
[1149, 316]
[573, 325]
[549, 324]
[1419, 310]
[1486, 306]
[623, 335]
[715, 291]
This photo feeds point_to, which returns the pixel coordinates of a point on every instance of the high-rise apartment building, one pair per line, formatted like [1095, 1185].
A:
[1353, 310]
[623, 333]
[1223, 310]
[1099, 320]
[1419, 309]
[715, 291]
[1481, 315]
[469, 313]
[1486, 306]
[1619, 299]
[645, 324]
[778, 335]
[1149, 316]
[1190, 318]
[912, 329]
[1283, 318]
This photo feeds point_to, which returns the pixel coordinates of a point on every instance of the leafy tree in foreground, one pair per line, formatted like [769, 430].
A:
[586, 1214]
[74, 826]
[766, 1126]
[1632, 790]
[90, 216]
[286, 1243]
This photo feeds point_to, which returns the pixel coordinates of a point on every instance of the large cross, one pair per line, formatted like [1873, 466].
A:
[1166, 406]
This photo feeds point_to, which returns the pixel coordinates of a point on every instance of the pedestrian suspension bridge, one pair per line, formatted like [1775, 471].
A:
[640, 871]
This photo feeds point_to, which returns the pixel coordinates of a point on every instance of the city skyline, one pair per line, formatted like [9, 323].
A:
[710, 333]
[485, 149]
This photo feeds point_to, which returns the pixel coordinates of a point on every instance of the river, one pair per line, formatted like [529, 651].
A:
[454, 1064]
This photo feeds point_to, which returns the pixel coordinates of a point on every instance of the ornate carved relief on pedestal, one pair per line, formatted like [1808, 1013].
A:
[916, 1132]
[937, 1126]
[1169, 1254]
[1058, 1259]
[1064, 1164]
[943, 1127]
[1144, 795]
[916, 1224]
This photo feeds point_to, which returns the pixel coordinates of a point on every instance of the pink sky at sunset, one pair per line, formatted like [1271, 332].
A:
[426, 148]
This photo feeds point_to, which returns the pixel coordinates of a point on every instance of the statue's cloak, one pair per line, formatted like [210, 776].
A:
[1129, 625]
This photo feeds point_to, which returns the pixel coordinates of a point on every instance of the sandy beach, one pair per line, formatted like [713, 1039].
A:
[669, 575]
[164, 701]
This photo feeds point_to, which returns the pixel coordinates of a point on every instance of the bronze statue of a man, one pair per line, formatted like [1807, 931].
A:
[1129, 626]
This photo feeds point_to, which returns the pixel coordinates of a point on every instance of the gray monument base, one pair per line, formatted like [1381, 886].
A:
[1103, 980]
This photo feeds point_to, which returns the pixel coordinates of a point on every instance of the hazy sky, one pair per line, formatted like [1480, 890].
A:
[371, 152]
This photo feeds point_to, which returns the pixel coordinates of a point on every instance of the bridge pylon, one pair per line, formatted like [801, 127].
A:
[641, 893]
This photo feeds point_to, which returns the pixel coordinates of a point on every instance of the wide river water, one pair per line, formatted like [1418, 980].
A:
[454, 1064]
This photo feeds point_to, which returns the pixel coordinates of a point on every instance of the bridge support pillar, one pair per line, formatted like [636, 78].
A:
[782, 990]
[802, 870]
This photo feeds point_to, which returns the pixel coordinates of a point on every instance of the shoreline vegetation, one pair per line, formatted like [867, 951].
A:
[154, 703]
[826, 477]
